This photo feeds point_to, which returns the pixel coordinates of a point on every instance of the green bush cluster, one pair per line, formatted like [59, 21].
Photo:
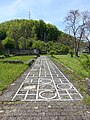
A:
[57, 49]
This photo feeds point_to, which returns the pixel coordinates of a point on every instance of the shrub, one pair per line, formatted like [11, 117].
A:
[1, 52]
[52, 53]
[38, 55]
[71, 53]
[6, 54]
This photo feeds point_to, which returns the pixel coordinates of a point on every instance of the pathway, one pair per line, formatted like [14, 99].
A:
[46, 82]
[43, 93]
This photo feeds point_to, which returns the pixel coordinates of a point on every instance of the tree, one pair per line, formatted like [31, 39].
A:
[39, 45]
[42, 30]
[87, 36]
[8, 43]
[22, 43]
[2, 34]
[26, 32]
[52, 33]
[66, 40]
[49, 46]
[1, 46]
[87, 28]
[14, 33]
[75, 25]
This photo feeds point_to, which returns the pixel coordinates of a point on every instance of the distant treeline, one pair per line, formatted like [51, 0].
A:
[27, 34]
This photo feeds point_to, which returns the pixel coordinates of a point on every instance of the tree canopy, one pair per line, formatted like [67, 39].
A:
[31, 34]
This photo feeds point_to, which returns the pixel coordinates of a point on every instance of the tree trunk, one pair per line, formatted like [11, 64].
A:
[76, 49]
[17, 45]
[8, 51]
[24, 43]
[1, 46]
[77, 45]
[76, 53]
[89, 47]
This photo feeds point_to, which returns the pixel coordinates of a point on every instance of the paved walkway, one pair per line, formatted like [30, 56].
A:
[46, 82]
[43, 93]
[42, 110]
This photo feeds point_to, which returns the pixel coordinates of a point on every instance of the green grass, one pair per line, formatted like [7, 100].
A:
[73, 63]
[77, 76]
[9, 72]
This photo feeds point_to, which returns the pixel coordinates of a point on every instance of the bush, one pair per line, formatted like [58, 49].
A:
[1, 52]
[64, 49]
[52, 53]
[71, 53]
[38, 55]
[8, 43]
[6, 55]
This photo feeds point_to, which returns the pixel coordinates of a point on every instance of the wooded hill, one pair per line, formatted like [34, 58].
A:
[29, 34]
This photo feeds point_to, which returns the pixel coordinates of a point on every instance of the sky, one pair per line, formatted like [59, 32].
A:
[51, 11]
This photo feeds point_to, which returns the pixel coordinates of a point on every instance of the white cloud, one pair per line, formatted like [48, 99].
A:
[52, 11]
[11, 9]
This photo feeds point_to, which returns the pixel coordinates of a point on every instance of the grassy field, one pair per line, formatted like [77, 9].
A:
[73, 63]
[77, 76]
[9, 72]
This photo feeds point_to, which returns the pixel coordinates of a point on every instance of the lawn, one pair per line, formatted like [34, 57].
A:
[73, 63]
[9, 72]
[78, 75]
